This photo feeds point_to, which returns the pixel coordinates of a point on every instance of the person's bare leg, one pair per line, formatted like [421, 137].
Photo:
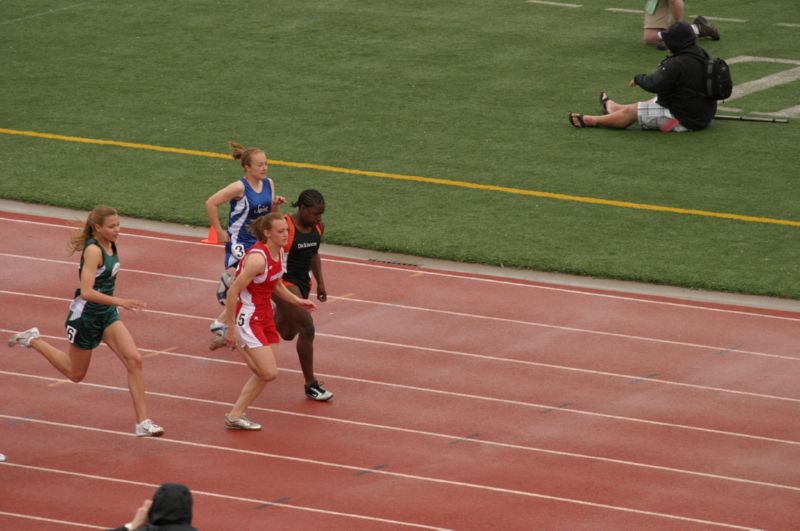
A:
[73, 364]
[676, 9]
[621, 117]
[119, 340]
[262, 361]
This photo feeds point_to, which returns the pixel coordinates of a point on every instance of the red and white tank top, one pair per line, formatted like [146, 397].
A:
[258, 294]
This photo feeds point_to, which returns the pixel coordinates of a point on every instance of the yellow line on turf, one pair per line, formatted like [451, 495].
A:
[418, 178]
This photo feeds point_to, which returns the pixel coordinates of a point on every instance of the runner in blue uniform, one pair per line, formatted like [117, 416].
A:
[93, 315]
[302, 260]
[250, 197]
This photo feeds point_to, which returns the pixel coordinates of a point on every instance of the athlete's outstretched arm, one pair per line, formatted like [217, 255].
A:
[283, 292]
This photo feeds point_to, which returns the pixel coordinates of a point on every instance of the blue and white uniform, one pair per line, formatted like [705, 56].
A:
[252, 205]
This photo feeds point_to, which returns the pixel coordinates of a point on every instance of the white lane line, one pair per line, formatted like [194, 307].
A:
[564, 328]
[50, 520]
[201, 492]
[125, 270]
[482, 398]
[566, 290]
[715, 348]
[555, 4]
[379, 427]
[413, 477]
[787, 25]
[592, 372]
[48, 12]
[560, 367]
[465, 277]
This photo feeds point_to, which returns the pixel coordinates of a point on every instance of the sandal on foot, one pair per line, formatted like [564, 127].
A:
[581, 124]
[604, 101]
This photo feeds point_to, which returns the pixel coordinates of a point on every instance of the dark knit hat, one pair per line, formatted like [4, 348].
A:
[172, 504]
[678, 36]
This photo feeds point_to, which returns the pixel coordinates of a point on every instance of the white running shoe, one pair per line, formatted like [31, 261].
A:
[315, 391]
[242, 423]
[147, 428]
[217, 327]
[2, 458]
[24, 339]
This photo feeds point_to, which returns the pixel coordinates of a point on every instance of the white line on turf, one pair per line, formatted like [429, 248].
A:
[623, 10]
[721, 19]
[478, 441]
[555, 4]
[787, 25]
[207, 493]
[413, 477]
[48, 12]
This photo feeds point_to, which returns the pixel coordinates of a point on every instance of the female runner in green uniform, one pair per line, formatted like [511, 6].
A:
[93, 315]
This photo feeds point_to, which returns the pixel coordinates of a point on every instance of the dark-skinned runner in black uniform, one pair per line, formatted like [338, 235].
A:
[303, 261]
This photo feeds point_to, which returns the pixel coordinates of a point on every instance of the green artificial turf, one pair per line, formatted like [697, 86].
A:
[471, 91]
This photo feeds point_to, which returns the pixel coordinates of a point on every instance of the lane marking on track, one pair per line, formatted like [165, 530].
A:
[366, 471]
[50, 520]
[452, 439]
[279, 501]
[556, 327]
[531, 405]
[715, 350]
[463, 276]
[412, 477]
[154, 353]
[429, 180]
[208, 493]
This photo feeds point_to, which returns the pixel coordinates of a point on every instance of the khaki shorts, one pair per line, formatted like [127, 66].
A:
[661, 18]
[652, 116]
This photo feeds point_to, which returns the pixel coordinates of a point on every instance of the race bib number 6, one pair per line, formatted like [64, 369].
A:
[71, 333]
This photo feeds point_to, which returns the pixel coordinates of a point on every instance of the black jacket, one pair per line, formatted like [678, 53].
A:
[171, 509]
[679, 84]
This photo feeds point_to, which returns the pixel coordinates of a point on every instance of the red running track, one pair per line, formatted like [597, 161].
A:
[462, 402]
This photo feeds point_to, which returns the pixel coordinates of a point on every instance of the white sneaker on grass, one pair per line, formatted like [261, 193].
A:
[24, 339]
[147, 428]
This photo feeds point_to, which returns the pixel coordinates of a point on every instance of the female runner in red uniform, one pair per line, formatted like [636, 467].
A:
[249, 307]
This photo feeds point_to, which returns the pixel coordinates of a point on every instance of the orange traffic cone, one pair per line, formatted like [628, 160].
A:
[212, 236]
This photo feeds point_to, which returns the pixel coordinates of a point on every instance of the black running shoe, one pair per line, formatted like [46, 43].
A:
[315, 391]
[706, 29]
